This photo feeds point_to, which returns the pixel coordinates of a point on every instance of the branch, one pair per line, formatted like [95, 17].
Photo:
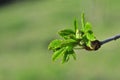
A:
[110, 39]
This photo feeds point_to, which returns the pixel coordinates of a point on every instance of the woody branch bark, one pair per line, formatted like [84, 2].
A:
[110, 39]
[97, 44]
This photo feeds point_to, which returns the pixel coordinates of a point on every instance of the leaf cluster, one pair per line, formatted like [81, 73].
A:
[80, 38]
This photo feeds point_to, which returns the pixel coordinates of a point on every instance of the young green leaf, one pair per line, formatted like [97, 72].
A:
[87, 27]
[77, 31]
[57, 53]
[69, 42]
[90, 36]
[83, 21]
[65, 57]
[69, 51]
[55, 44]
[67, 33]
[75, 25]
[65, 54]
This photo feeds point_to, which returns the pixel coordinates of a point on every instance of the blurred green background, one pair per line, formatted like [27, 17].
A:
[27, 27]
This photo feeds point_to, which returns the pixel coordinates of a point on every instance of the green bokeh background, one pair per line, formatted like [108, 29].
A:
[27, 27]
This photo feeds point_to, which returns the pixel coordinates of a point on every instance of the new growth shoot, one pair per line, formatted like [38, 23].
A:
[80, 38]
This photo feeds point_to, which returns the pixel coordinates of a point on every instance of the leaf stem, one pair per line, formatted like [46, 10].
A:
[110, 39]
